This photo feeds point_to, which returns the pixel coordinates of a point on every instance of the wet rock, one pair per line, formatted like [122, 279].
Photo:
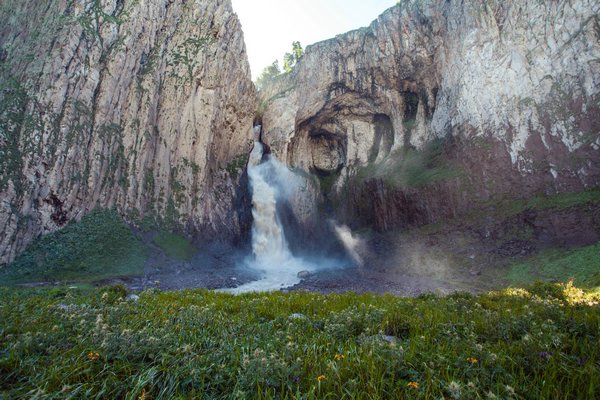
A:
[133, 297]
[298, 316]
[304, 274]
[389, 339]
[382, 338]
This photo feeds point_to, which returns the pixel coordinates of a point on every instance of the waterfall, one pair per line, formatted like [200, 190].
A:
[270, 182]
[268, 240]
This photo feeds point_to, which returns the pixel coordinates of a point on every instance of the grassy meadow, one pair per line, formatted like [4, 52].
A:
[71, 340]
[541, 342]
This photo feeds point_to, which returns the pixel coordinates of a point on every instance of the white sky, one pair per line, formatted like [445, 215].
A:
[270, 26]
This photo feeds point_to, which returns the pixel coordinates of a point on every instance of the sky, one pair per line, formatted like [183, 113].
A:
[270, 26]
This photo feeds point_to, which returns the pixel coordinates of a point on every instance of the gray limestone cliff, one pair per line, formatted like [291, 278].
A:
[143, 106]
[438, 106]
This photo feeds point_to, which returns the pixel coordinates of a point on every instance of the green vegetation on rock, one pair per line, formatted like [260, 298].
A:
[186, 54]
[175, 246]
[412, 167]
[556, 201]
[237, 164]
[100, 246]
[13, 101]
[535, 343]
[507, 207]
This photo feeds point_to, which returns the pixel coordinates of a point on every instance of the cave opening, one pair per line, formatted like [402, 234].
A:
[411, 105]
[384, 136]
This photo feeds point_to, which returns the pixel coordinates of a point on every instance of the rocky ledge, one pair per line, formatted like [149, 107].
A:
[441, 106]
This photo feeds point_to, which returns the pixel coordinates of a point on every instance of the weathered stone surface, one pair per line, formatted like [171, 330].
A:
[139, 105]
[438, 105]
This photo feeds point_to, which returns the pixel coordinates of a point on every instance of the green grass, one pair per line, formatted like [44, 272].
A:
[174, 245]
[557, 201]
[534, 343]
[505, 208]
[581, 264]
[100, 246]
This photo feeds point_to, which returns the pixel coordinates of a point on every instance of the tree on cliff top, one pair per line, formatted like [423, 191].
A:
[268, 74]
[273, 70]
[290, 59]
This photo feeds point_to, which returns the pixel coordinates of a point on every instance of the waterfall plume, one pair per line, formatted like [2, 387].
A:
[271, 257]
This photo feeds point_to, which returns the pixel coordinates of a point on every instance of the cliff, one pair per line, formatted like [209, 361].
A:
[439, 106]
[144, 106]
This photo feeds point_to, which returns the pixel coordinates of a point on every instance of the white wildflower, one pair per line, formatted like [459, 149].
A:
[454, 390]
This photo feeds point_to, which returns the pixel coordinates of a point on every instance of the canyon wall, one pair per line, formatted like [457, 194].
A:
[143, 106]
[439, 106]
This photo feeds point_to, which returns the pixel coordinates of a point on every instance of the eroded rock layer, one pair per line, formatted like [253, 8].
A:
[145, 106]
[441, 105]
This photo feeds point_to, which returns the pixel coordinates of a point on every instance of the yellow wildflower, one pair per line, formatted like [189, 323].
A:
[472, 360]
[321, 378]
[339, 357]
[93, 356]
[413, 385]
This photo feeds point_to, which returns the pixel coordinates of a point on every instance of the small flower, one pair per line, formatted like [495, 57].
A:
[472, 360]
[93, 356]
[413, 385]
[509, 391]
[339, 357]
[455, 390]
[321, 378]
[143, 395]
[186, 348]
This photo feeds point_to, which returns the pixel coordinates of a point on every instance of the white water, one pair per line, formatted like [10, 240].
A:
[272, 258]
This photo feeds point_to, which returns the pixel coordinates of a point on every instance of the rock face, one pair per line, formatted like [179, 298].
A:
[440, 105]
[145, 106]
